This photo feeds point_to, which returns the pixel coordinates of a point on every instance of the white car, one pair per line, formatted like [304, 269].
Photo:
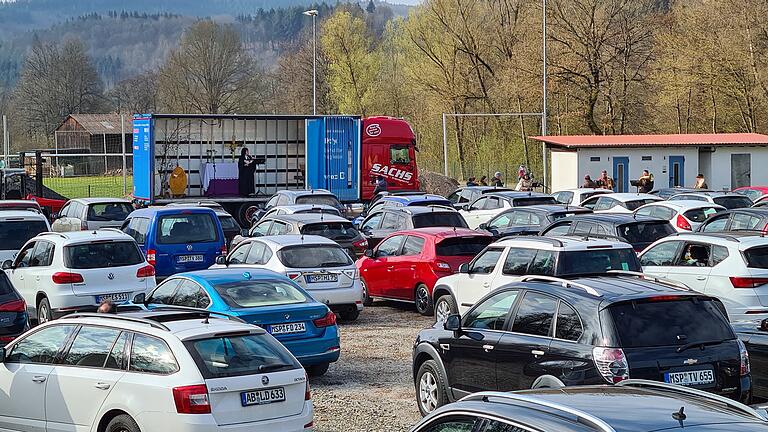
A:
[91, 213]
[619, 202]
[730, 266]
[682, 215]
[318, 264]
[16, 228]
[489, 205]
[59, 273]
[511, 259]
[300, 209]
[728, 200]
[576, 196]
[165, 370]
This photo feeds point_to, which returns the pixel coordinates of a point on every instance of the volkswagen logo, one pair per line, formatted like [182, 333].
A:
[111, 276]
[189, 247]
[265, 380]
[287, 317]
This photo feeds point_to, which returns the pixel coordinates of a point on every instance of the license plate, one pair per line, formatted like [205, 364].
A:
[323, 277]
[115, 298]
[287, 328]
[190, 258]
[262, 397]
[689, 378]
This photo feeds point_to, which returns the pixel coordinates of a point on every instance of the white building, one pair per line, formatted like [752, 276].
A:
[728, 161]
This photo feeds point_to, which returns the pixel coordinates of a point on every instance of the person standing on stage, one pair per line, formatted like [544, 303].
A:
[245, 170]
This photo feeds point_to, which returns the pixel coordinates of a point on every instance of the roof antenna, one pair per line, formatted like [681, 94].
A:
[680, 415]
[205, 321]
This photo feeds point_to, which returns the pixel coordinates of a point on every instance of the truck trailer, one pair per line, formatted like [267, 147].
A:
[180, 157]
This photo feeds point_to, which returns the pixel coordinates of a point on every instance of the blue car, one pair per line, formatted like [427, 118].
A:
[177, 239]
[264, 298]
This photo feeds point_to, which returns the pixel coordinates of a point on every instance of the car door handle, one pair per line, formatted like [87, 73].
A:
[701, 278]
[39, 378]
[537, 353]
[102, 386]
[486, 284]
[488, 348]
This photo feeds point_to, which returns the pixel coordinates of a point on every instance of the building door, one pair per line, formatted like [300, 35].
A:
[621, 174]
[676, 171]
[741, 170]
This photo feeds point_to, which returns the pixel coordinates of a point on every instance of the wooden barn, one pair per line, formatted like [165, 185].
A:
[99, 135]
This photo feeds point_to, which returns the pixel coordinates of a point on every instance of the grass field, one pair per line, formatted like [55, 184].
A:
[84, 187]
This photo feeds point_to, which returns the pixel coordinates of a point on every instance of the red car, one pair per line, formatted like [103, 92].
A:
[755, 193]
[406, 264]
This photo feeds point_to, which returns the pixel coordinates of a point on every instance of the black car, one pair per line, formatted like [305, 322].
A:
[755, 337]
[332, 227]
[528, 220]
[463, 196]
[308, 196]
[667, 193]
[639, 231]
[387, 220]
[630, 406]
[13, 311]
[549, 332]
[743, 219]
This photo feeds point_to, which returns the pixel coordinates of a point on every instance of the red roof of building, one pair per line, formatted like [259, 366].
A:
[608, 141]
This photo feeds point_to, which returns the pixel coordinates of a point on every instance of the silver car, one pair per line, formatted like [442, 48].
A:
[83, 214]
[318, 264]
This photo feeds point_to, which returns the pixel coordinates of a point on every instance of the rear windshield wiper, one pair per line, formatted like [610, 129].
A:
[273, 366]
[687, 346]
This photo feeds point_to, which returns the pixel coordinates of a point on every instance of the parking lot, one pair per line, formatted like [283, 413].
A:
[370, 388]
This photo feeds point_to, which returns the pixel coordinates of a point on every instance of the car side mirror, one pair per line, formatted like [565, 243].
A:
[140, 298]
[464, 268]
[221, 260]
[764, 325]
[453, 323]
[7, 265]
[369, 253]
[483, 226]
[244, 232]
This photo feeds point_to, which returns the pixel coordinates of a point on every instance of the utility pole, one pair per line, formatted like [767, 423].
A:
[544, 102]
[313, 14]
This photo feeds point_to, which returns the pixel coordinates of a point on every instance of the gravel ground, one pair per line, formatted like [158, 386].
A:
[370, 388]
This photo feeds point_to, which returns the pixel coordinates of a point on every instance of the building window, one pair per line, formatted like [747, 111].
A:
[647, 158]
[594, 159]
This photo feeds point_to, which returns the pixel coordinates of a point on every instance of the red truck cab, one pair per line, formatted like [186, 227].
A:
[388, 150]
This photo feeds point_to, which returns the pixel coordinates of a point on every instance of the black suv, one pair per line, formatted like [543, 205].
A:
[528, 220]
[549, 332]
[630, 406]
[387, 220]
[639, 231]
[744, 219]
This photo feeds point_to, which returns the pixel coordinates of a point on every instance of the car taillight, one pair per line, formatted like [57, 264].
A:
[442, 266]
[224, 249]
[765, 229]
[328, 320]
[152, 257]
[682, 223]
[192, 399]
[307, 392]
[361, 244]
[145, 271]
[14, 306]
[745, 369]
[66, 278]
[611, 363]
[6, 339]
[294, 275]
[747, 282]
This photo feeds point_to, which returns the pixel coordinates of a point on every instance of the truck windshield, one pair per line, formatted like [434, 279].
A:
[329, 200]
[13, 234]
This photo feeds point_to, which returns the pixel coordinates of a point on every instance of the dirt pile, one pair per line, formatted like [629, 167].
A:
[435, 183]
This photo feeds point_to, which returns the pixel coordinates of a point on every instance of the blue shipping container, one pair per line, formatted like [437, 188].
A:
[333, 156]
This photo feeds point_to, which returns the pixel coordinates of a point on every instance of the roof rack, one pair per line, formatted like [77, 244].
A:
[581, 416]
[207, 312]
[146, 321]
[51, 233]
[693, 392]
[722, 235]
[553, 241]
[565, 283]
[657, 279]
[117, 230]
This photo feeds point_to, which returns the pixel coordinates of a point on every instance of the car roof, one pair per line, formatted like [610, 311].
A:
[549, 208]
[518, 194]
[86, 236]
[562, 242]
[157, 210]
[101, 200]
[756, 211]
[307, 218]
[616, 218]
[483, 189]
[582, 190]
[281, 241]
[414, 198]
[684, 204]
[629, 196]
[416, 210]
[304, 192]
[214, 276]
[711, 194]
[25, 214]
[300, 207]
[744, 239]
[443, 232]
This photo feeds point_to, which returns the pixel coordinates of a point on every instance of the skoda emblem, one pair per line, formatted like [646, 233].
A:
[111, 276]
[265, 380]
[189, 247]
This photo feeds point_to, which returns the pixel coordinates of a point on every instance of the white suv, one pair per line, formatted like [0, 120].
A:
[510, 259]
[730, 266]
[59, 273]
[165, 370]
[16, 228]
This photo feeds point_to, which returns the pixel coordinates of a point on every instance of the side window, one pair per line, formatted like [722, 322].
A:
[492, 313]
[605, 203]
[399, 155]
[116, 359]
[238, 256]
[152, 355]
[455, 197]
[586, 228]
[142, 227]
[543, 264]
[479, 204]
[41, 346]
[390, 246]
[91, 347]
[535, 314]
[719, 254]
[741, 222]
[64, 211]
[272, 201]
[391, 222]
[261, 229]
[564, 197]
[568, 325]
[486, 261]
[452, 424]
[283, 200]
[645, 211]
[413, 246]
[662, 212]
[517, 261]
[164, 293]
[42, 256]
[278, 228]
[25, 255]
[663, 254]
[190, 294]
[256, 253]
[521, 218]
[502, 221]
[716, 224]
[372, 223]
[695, 255]
[535, 219]
[493, 203]
[560, 229]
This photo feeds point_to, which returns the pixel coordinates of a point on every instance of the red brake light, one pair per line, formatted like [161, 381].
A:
[6, 339]
[361, 244]
[744, 369]
[152, 257]
[14, 306]
[224, 249]
[682, 223]
[611, 363]
[747, 282]
[307, 393]
[66, 278]
[328, 320]
[662, 298]
[765, 229]
[192, 399]
[294, 275]
[145, 271]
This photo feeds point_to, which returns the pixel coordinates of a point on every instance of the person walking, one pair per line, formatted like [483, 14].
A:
[645, 182]
[604, 181]
[588, 182]
[496, 180]
[484, 181]
[525, 184]
[471, 181]
[701, 183]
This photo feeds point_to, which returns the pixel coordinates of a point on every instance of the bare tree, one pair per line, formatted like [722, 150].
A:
[137, 94]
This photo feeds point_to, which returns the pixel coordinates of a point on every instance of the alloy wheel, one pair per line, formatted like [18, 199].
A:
[442, 310]
[422, 299]
[428, 392]
[42, 314]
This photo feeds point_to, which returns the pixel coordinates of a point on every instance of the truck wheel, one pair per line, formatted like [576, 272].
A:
[245, 214]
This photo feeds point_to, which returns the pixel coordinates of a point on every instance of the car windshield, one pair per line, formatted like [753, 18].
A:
[462, 246]
[733, 202]
[757, 257]
[700, 214]
[228, 223]
[239, 355]
[439, 219]
[13, 234]
[332, 230]
[109, 212]
[636, 204]
[328, 200]
[597, 261]
[187, 228]
[668, 320]
[314, 256]
[645, 232]
[99, 254]
[256, 293]
[531, 201]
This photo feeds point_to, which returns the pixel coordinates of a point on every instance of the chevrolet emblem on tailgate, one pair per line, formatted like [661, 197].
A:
[690, 362]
